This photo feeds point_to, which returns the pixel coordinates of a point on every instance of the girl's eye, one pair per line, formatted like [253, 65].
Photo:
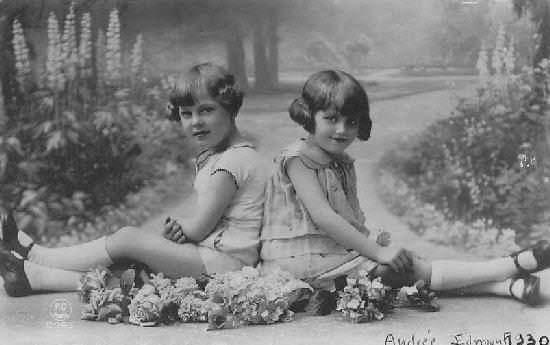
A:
[206, 110]
[353, 122]
[185, 114]
[332, 119]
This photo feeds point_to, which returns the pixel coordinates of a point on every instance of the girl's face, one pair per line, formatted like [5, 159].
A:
[334, 132]
[207, 122]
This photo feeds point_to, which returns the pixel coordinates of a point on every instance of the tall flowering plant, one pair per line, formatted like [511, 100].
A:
[55, 79]
[112, 54]
[136, 57]
[21, 52]
[85, 46]
[69, 50]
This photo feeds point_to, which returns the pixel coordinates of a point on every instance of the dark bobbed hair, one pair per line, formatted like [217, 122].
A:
[207, 79]
[332, 90]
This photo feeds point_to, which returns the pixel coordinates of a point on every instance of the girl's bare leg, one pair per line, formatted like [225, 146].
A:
[161, 255]
[80, 257]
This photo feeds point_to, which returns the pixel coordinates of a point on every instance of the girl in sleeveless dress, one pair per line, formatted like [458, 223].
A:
[313, 224]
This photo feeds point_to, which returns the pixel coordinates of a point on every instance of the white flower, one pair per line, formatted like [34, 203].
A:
[112, 54]
[54, 76]
[136, 58]
[69, 49]
[21, 52]
[85, 47]
[410, 290]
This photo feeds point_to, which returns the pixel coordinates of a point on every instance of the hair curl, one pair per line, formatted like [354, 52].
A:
[206, 79]
[332, 90]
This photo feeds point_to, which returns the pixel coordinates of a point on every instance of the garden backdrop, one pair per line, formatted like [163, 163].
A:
[86, 148]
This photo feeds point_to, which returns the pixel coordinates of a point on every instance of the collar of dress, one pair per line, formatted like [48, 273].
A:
[319, 157]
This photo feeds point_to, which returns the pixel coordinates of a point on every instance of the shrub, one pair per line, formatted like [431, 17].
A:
[485, 161]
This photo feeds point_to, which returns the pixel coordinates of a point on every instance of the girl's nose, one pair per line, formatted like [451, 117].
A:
[341, 127]
[196, 120]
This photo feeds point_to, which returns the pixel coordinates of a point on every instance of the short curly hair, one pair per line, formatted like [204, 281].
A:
[210, 80]
[332, 90]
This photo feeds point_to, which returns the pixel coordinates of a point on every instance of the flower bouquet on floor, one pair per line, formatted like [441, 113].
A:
[249, 297]
[227, 301]
[417, 296]
[364, 299]
[102, 301]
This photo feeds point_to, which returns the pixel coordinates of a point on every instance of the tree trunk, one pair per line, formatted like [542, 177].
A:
[273, 50]
[543, 50]
[236, 57]
[3, 116]
[261, 67]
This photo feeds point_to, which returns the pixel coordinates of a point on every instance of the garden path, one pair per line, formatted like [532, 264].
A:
[27, 320]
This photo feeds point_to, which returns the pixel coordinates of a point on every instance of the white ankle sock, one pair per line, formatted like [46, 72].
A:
[24, 239]
[80, 257]
[451, 274]
[43, 278]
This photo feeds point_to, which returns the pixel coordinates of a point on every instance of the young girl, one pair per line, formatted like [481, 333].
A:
[221, 235]
[313, 224]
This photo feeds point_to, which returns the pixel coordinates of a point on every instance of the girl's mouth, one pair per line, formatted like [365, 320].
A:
[340, 140]
[200, 134]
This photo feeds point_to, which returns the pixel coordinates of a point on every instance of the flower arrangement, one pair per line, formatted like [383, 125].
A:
[227, 301]
[250, 297]
[366, 299]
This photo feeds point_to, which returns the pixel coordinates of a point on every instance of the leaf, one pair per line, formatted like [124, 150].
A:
[55, 141]
[127, 280]
[72, 136]
[28, 197]
[69, 115]
[15, 145]
[103, 119]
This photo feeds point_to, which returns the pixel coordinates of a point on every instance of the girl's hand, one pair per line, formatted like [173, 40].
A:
[383, 238]
[173, 231]
[399, 259]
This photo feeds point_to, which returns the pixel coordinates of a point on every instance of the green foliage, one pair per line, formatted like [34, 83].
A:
[484, 162]
[78, 141]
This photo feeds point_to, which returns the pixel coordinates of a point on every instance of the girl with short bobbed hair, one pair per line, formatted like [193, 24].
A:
[335, 92]
[314, 227]
[210, 80]
[221, 234]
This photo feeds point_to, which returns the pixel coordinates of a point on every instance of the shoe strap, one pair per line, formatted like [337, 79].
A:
[520, 269]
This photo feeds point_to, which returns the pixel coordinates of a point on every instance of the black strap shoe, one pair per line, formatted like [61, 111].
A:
[12, 270]
[541, 253]
[10, 232]
[530, 294]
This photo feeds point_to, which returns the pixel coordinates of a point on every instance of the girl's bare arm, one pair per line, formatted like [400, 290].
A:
[211, 205]
[309, 191]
